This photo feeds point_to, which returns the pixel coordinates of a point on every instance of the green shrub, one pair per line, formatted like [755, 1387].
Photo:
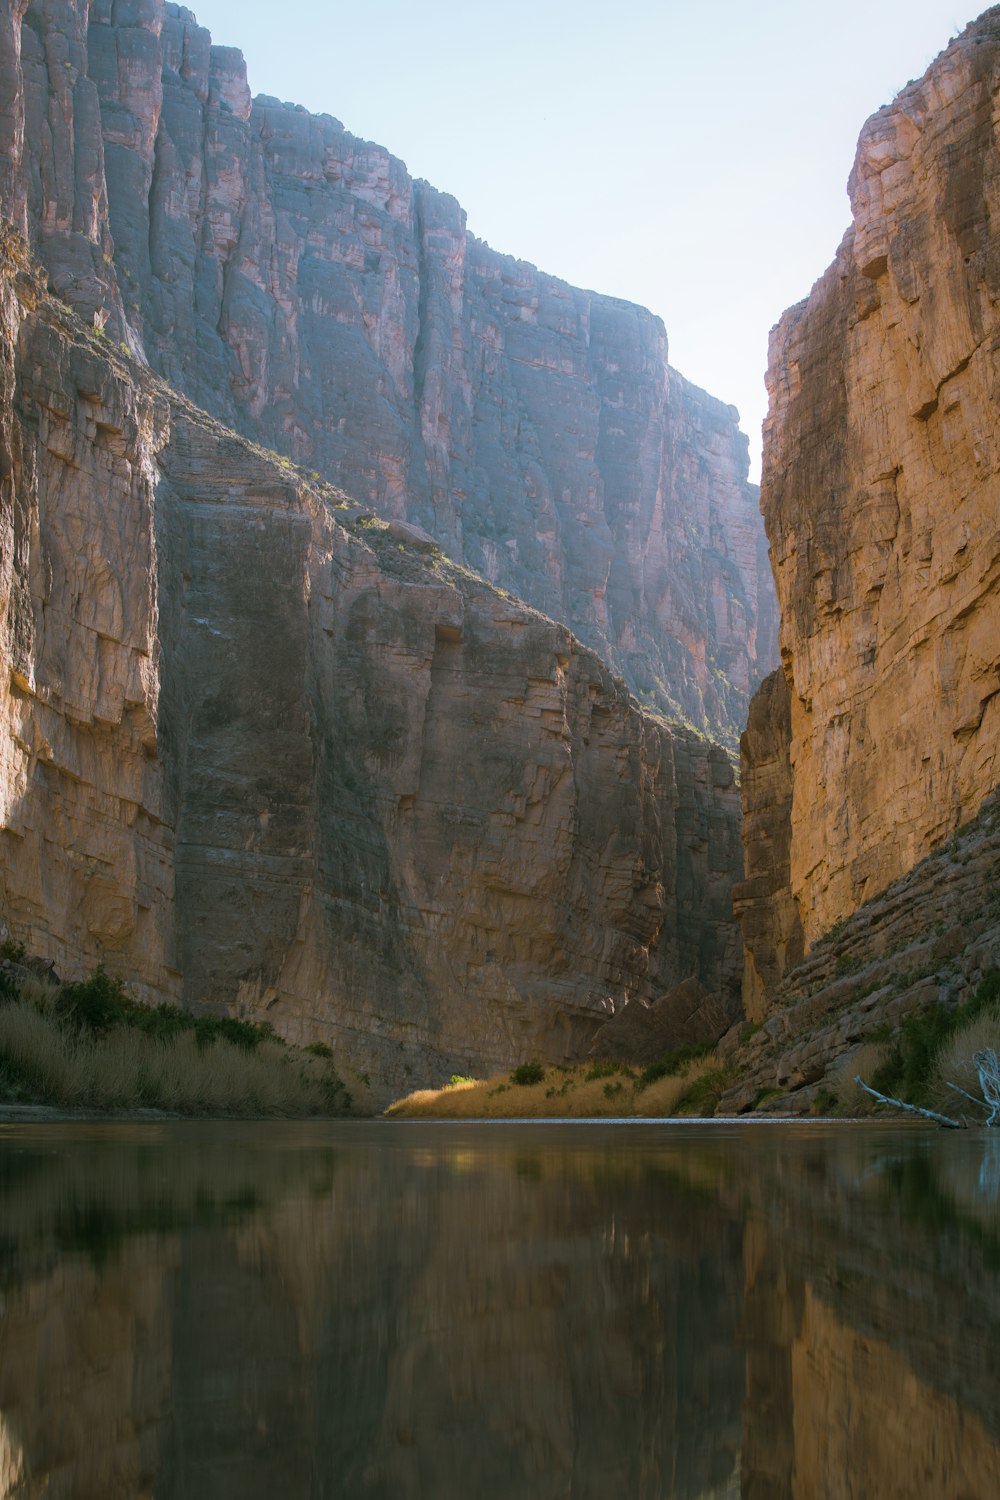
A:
[607, 1067]
[245, 1034]
[90, 1044]
[674, 1062]
[908, 1070]
[93, 1005]
[702, 1098]
[528, 1073]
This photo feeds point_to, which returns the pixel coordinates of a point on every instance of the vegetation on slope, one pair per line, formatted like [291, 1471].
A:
[89, 1045]
[928, 1061]
[688, 1083]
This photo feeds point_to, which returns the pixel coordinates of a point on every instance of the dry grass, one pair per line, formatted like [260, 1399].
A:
[43, 1061]
[564, 1093]
[954, 1065]
[864, 1063]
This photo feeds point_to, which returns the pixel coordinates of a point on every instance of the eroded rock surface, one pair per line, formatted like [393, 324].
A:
[276, 766]
[929, 939]
[881, 477]
[686, 1016]
[86, 851]
[298, 284]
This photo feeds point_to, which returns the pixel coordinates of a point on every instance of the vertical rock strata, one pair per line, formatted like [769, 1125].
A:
[298, 284]
[413, 815]
[86, 862]
[330, 778]
[880, 496]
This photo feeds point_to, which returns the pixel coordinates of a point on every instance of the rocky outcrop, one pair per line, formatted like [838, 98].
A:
[298, 284]
[272, 756]
[929, 939]
[881, 471]
[687, 1016]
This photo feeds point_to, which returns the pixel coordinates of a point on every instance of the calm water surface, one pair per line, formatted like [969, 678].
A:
[421, 1310]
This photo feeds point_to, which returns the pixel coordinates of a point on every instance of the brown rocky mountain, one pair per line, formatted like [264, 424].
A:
[284, 753]
[881, 497]
[268, 758]
[295, 282]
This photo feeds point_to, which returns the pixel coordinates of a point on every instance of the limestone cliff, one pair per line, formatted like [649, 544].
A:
[86, 856]
[927, 940]
[880, 486]
[298, 284]
[270, 755]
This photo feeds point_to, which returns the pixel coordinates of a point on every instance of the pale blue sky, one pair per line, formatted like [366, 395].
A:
[693, 158]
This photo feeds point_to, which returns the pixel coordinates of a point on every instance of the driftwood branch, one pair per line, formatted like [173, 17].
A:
[915, 1109]
[987, 1065]
[971, 1097]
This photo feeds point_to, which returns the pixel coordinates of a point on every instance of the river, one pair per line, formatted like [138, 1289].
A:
[407, 1310]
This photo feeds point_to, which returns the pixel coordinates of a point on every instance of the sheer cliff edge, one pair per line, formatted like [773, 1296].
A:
[881, 496]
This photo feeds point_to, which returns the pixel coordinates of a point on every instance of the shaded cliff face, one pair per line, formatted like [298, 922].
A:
[881, 474]
[325, 775]
[392, 780]
[297, 283]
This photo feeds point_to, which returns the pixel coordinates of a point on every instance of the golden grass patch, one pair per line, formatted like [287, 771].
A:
[564, 1093]
[864, 1063]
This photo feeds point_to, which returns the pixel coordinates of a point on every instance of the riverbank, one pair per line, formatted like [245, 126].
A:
[89, 1051]
[683, 1085]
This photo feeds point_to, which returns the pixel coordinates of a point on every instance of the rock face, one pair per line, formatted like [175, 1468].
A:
[324, 774]
[298, 284]
[928, 940]
[686, 1016]
[763, 903]
[390, 778]
[881, 475]
[86, 856]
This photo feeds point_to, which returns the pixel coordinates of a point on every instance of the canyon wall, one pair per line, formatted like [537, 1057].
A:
[297, 283]
[269, 755]
[86, 856]
[880, 485]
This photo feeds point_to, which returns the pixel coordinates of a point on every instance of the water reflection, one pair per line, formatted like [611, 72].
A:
[437, 1311]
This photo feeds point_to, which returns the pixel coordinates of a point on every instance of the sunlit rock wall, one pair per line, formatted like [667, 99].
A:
[881, 477]
[86, 856]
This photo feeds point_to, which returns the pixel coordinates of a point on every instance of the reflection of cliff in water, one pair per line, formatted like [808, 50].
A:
[871, 1291]
[417, 1311]
[397, 1316]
